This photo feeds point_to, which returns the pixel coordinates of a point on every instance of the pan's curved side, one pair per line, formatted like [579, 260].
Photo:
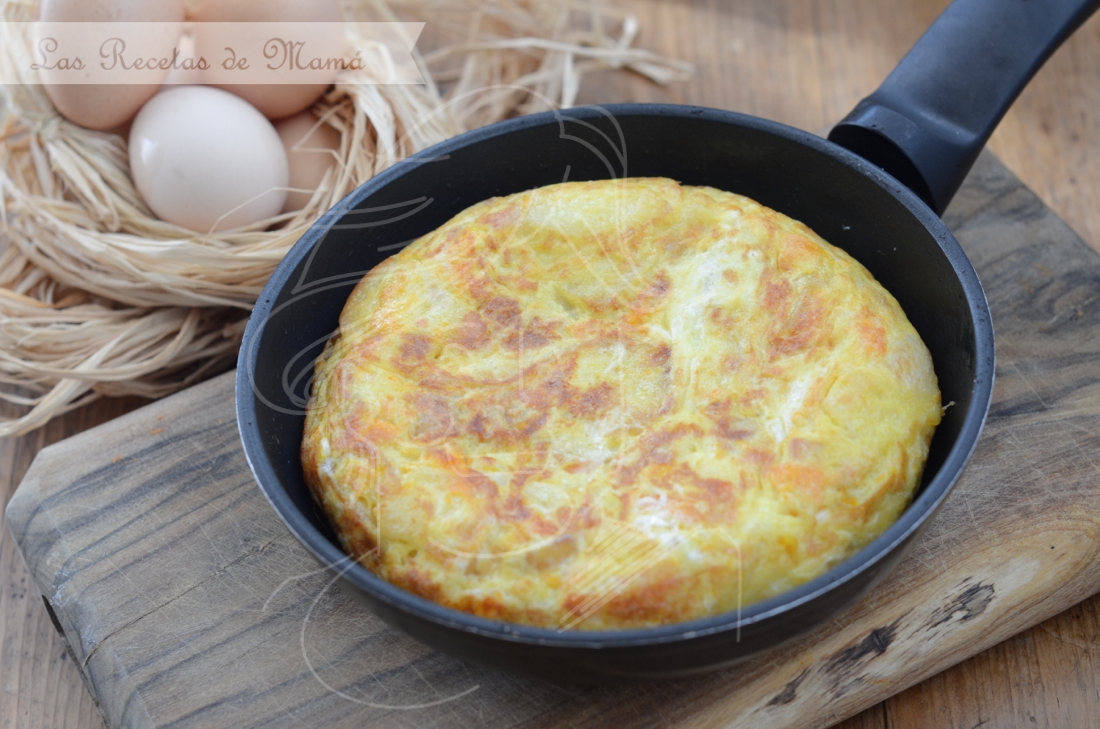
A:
[846, 200]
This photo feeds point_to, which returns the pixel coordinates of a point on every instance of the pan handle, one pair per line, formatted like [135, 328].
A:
[932, 115]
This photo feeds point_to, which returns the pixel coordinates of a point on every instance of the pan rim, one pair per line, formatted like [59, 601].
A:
[916, 515]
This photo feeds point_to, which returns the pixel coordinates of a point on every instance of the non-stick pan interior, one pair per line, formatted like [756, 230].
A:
[847, 202]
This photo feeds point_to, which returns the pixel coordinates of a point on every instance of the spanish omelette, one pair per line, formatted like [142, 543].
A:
[616, 404]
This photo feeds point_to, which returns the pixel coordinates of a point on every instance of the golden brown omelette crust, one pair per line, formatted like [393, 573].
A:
[616, 404]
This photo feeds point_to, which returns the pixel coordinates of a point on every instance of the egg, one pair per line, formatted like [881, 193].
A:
[106, 106]
[310, 151]
[206, 160]
[276, 101]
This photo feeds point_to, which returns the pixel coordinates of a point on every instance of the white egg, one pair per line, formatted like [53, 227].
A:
[207, 160]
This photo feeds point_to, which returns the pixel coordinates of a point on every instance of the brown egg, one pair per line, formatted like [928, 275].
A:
[106, 106]
[276, 101]
[309, 152]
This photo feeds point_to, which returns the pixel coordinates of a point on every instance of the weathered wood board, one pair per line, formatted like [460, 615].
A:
[188, 604]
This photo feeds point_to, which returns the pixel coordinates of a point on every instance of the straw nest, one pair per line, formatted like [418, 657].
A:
[98, 297]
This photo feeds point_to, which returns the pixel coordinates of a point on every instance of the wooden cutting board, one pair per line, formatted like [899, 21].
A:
[186, 602]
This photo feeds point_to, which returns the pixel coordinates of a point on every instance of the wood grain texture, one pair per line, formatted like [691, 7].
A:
[806, 64]
[188, 604]
[40, 686]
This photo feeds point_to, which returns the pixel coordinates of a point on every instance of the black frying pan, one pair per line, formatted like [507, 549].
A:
[924, 126]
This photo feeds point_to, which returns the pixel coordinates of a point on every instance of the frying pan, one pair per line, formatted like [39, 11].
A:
[875, 189]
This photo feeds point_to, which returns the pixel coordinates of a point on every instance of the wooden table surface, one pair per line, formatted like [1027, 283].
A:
[804, 63]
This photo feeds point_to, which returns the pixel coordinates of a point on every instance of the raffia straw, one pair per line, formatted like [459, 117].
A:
[99, 297]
